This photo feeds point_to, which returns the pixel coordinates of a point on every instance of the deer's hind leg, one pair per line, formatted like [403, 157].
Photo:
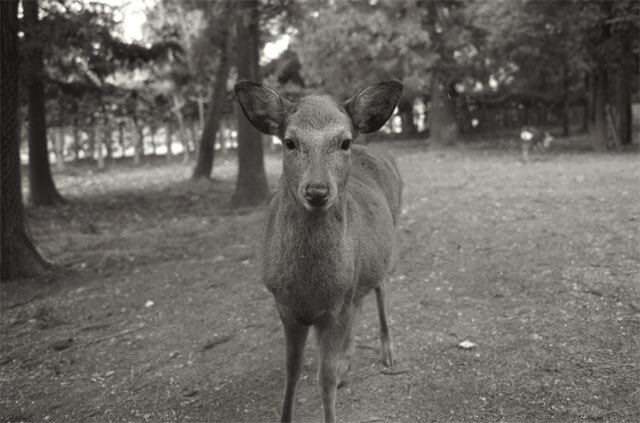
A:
[385, 336]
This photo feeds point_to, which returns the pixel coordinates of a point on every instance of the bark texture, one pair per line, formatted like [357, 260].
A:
[443, 126]
[251, 185]
[18, 256]
[206, 150]
[599, 138]
[43, 190]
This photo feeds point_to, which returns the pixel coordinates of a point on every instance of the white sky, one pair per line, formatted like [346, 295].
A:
[132, 25]
[132, 14]
[133, 17]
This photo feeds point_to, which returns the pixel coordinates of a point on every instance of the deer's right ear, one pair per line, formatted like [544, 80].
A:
[264, 108]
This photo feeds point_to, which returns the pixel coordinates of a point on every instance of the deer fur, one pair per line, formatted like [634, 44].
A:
[330, 228]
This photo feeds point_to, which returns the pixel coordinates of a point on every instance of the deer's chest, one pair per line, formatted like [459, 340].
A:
[309, 272]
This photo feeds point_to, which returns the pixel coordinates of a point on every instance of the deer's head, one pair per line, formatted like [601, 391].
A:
[317, 133]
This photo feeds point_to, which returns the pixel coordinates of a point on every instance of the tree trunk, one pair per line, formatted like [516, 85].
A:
[43, 190]
[201, 108]
[183, 136]
[108, 139]
[76, 140]
[405, 108]
[206, 150]
[18, 257]
[169, 135]
[588, 101]
[565, 101]
[107, 144]
[193, 133]
[442, 119]
[97, 146]
[624, 90]
[599, 131]
[251, 185]
[139, 143]
[152, 132]
[58, 134]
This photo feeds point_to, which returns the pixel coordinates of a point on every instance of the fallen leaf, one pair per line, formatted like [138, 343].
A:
[467, 345]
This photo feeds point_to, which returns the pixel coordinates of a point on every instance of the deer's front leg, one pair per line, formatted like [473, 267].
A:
[296, 336]
[331, 334]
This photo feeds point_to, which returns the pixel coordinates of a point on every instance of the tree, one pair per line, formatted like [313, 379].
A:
[81, 52]
[204, 30]
[18, 256]
[251, 185]
[567, 52]
[206, 152]
[348, 45]
[43, 190]
[612, 52]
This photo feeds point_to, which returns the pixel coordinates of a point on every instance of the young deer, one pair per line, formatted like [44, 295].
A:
[330, 228]
[531, 138]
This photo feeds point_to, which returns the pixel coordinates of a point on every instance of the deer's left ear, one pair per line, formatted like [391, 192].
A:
[373, 106]
[264, 107]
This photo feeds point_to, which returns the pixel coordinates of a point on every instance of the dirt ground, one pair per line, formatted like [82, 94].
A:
[157, 312]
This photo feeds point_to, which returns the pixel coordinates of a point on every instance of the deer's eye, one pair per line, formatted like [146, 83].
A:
[346, 144]
[291, 145]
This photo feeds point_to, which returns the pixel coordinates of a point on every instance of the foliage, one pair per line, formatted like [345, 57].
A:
[81, 53]
[347, 46]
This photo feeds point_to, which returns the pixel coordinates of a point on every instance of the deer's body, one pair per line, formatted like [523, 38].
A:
[330, 229]
[315, 262]
[533, 137]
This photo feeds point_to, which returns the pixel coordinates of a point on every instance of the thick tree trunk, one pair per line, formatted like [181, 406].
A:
[18, 257]
[599, 130]
[251, 185]
[405, 108]
[43, 190]
[206, 149]
[624, 90]
[442, 118]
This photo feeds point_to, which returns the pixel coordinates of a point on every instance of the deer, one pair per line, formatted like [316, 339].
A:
[330, 227]
[531, 138]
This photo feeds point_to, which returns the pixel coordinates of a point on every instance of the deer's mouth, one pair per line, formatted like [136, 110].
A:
[317, 202]
[317, 205]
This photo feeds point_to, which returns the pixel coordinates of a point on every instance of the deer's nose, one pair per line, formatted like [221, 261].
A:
[317, 194]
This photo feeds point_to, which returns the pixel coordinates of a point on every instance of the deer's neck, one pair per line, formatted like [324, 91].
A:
[315, 229]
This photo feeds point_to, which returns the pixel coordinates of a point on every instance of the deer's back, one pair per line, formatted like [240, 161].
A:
[378, 171]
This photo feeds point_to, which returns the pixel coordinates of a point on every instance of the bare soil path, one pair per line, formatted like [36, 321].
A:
[159, 315]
